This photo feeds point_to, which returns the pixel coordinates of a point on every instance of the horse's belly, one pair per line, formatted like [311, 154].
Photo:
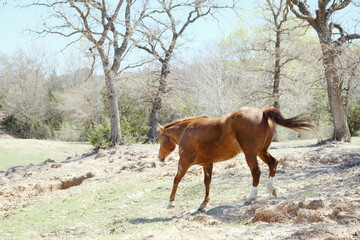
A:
[226, 151]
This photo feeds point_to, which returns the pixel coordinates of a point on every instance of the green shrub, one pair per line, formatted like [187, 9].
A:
[133, 118]
[133, 115]
[27, 128]
[17, 127]
[353, 117]
[131, 132]
[100, 137]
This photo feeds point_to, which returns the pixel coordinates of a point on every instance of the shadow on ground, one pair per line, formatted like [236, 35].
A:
[232, 213]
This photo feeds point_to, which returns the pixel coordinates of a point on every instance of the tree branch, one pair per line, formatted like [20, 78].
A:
[304, 13]
[347, 38]
[335, 6]
[322, 4]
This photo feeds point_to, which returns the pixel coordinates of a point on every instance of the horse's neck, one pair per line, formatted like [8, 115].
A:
[176, 130]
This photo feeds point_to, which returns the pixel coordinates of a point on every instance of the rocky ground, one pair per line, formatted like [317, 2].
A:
[319, 190]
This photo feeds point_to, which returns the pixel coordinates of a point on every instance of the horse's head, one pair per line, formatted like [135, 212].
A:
[167, 145]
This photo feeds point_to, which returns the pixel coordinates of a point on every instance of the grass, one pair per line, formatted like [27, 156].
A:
[355, 140]
[16, 152]
[126, 209]
[88, 213]
[129, 206]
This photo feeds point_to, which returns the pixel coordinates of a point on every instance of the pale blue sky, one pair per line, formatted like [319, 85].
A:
[14, 22]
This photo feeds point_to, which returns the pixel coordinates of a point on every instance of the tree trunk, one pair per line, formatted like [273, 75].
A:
[113, 109]
[154, 118]
[341, 128]
[276, 83]
[157, 103]
[348, 87]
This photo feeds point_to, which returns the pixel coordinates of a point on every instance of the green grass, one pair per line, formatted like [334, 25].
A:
[88, 212]
[16, 152]
[130, 206]
[355, 140]
[129, 209]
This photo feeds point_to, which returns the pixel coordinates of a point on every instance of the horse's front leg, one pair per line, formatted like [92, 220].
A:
[207, 180]
[252, 162]
[182, 169]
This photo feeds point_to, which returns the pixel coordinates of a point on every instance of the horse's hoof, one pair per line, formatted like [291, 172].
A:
[202, 208]
[171, 205]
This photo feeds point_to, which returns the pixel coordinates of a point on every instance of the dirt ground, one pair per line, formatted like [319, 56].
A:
[319, 189]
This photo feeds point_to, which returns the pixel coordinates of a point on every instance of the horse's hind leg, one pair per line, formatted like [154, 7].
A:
[182, 169]
[207, 180]
[251, 160]
[272, 163]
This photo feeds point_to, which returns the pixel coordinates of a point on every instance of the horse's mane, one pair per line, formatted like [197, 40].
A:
[185, 121]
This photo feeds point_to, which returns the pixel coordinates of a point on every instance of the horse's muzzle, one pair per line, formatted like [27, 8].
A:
[160, 158]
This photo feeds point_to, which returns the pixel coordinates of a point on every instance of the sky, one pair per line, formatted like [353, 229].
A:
[203, 33]
[15, 21]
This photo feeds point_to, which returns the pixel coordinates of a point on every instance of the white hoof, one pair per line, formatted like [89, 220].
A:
[252, 197]
[171, 205]
[270, 187]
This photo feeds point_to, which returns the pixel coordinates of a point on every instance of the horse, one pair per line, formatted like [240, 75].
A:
[204, 141]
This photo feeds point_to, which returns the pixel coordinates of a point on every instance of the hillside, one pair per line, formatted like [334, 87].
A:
[122, 193]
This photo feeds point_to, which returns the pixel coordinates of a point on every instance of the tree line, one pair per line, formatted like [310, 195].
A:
[276, 62]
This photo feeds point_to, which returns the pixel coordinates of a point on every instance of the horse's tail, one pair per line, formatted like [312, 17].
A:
[298, 123]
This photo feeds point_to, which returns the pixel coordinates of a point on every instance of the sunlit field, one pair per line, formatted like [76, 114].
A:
[15, 152]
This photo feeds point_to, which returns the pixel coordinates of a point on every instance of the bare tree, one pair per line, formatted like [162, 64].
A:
[210, 85]
[277, 20]
[350, 74]
[281, 29]
[25, 88]
[327, 32]
[107, 27]
[161, 32]
[82, 104]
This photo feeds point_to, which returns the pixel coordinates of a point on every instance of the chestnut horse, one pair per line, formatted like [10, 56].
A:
[204, 140]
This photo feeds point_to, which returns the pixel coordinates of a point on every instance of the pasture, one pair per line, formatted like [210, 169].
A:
[122, 193]
[16, 152]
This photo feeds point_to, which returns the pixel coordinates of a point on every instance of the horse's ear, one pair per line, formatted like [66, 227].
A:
[161, 127]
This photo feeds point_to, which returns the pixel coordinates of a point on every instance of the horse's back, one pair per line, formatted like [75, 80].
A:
[210, 139]
[218, 139]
